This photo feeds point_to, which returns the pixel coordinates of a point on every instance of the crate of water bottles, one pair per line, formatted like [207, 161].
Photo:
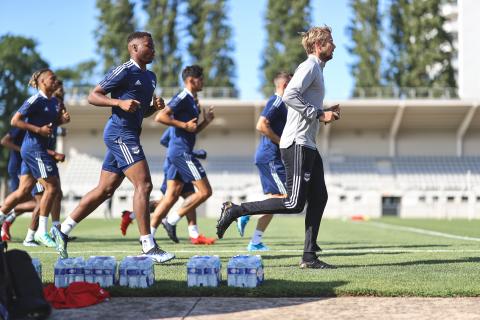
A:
[245, 271]
[38, 267]
[204, 271]
[136, 272]
[69, 270]
[101, 270]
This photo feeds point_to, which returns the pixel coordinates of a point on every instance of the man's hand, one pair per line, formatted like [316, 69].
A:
[64, 116]
[191, 126]
[128, 105]
[328, 116]
[209, 115]
[158, 103]
[45, 131]
[336, 110]
[59, 157]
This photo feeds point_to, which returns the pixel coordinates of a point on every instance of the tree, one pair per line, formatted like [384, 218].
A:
[162, 23]
[283, 52]
[77, 75]
[365, 31]
[116, 22]
[421, 50]
[19, 59]
[210, 43]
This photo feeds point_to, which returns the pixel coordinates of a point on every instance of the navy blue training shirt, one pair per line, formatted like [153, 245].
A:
[184, 109]
[276, 113]
[39, 111]
[17, 135]
[129, 81]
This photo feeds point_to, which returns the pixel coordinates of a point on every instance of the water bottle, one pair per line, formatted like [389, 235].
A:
[79, 275]
[133, 274]
[38, 267]
[109, 266]
[232, 272]
[59, 271]
[89, 275]
[122, 273]
[192, 272]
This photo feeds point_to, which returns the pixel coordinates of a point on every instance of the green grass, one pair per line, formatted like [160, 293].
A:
[371, 259]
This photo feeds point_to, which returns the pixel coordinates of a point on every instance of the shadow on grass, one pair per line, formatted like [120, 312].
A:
[270, 288]
[373, 247]
[416, 263]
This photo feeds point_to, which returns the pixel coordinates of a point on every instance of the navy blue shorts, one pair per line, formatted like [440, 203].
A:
[187, 187]
[185, 167]
[38, 163]
[37, 189]
[273, 177]
[122, 153]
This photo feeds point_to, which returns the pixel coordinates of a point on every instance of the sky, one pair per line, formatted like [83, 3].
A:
[64, 32]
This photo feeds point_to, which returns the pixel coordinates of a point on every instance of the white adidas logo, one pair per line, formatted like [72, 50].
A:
[138, 83]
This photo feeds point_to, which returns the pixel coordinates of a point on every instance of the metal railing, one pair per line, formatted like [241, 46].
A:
[79, 93]
[405, 93]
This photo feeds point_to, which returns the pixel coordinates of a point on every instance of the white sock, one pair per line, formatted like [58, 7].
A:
[173, 218]
[30, 235]
[55, 223]
[42, 224]
[132, 215]
[11, 217]
[147, 242]
[153, 230]
[193, 231]
[67, 226]
[257, 237]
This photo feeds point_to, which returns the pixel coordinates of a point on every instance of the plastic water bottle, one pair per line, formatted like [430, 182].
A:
[203, 271]
[133, 274]
[79, 265]
[245, 271]
[109, 270]
[38, 267]
[192, 272]
[122, 273]
[59, 271]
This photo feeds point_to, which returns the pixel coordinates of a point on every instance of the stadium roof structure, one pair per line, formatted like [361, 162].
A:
[391, 116]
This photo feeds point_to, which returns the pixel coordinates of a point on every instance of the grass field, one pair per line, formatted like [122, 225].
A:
[385, 257]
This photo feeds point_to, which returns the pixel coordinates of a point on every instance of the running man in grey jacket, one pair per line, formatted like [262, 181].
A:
[305, 177]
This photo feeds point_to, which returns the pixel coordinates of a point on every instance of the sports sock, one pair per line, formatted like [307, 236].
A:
[193, 231]
[132, 215]
[147, 242]
[153, 230]
[30, 235]
[55, 223]
[257, 236]
[11, 217]
[173, 218]
[67, 226]
[42, 224]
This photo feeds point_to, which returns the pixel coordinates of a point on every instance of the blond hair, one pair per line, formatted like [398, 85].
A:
[36, 76]
[314, 35]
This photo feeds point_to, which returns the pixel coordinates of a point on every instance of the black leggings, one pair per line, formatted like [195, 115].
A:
[305, 183]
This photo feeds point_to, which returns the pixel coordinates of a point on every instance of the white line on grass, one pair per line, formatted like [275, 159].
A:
[422, 231]
[373, 250]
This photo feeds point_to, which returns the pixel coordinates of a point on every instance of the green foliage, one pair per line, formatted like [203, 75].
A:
[284, 51]
[162, 23]
[365, 30]
[210, 45]
[19, 59]
[116, 22]
[79, 74]
[421, 51]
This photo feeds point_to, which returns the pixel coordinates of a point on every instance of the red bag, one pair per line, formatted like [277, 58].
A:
[76, 295]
